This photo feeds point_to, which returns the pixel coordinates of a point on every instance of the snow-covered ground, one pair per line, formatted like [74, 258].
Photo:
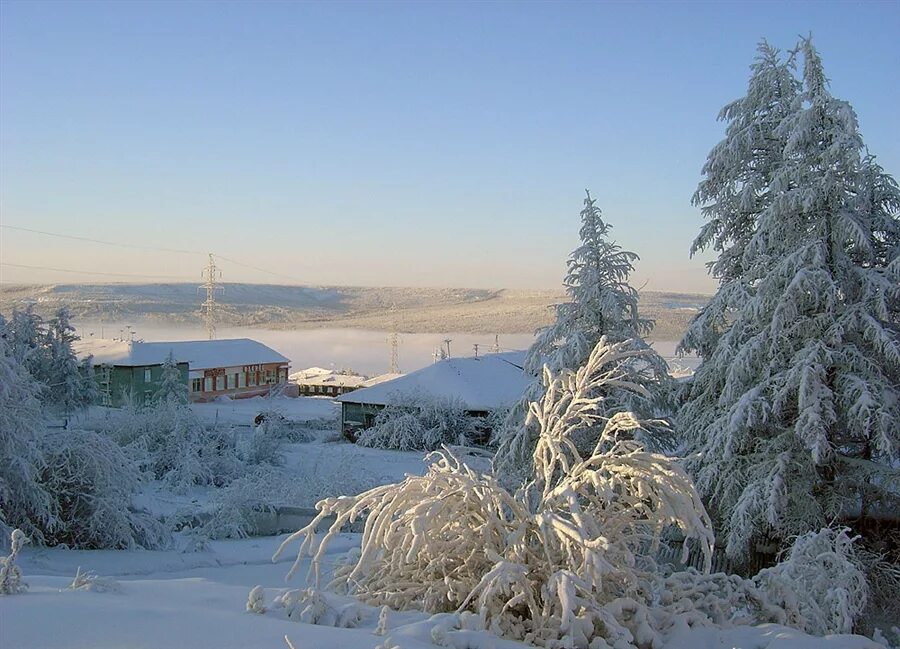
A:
[196, 600]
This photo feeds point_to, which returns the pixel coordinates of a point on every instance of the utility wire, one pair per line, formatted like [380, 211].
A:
[89, 272]
[105, 243]
[257, 268]
[140, 247]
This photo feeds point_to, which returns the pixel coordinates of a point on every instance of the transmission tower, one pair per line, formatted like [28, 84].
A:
[394, 342]
[495, 348]
[395, 353]
[210, 274]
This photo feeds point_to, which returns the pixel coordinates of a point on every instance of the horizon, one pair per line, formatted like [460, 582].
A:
[561, 289]
[386, 144]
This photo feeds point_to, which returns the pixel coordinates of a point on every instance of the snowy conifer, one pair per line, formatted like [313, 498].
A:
[602, 304]
[64, 377]
[736, 187]
[26, 337]
[23, 501]
[792, 417]
[172, 387]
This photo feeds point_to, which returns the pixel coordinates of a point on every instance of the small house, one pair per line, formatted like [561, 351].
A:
[317, 382]
[482, 384]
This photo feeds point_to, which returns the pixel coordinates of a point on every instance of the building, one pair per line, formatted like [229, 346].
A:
[316, 381]
[482, 384]
[235, 368]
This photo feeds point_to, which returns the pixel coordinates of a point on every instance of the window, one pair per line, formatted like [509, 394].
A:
[235, 382]
[147, 375]
[252, 377]
[241, 380]
[197, 385]
[220, 382]
[208, 384]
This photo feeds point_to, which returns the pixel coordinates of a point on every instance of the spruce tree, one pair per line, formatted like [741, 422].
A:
[791, 420]
[602, 303]
[736, 187]
[172, 388]
[67, 390]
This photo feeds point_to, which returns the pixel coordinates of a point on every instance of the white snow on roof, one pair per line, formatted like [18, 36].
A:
[328, 378]
[198, 354]
[381, 378]
[310, 372]
[483, 383]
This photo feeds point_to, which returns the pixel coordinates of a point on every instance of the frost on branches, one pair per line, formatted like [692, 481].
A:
[791, 419]
[569, 555]
[23, 501]
[91, 482]
[420, 422]
[10, 574]
[602, 304]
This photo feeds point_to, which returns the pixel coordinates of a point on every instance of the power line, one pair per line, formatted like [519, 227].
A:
[100, 241]
[257, 268]
[154, 248]
[90, 272]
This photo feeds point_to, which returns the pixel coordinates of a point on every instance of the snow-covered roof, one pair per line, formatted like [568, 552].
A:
[310, 372]
[198, 354]
[381, 378]
[329, 378]
[483, 383]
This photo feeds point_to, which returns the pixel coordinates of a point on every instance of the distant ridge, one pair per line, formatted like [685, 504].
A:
[410, 310]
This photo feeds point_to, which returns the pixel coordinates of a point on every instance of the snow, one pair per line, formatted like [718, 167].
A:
[176, 600]
[481, 383]
[199, 354]
[242, 412]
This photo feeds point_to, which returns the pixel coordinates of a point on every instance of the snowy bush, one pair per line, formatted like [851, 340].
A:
[87, 580]
[263, 447]
[818, 587]
[819, 584]
[91, 483]
[420, 422]
[23, 501]
[171, 444]
[565, 556]
[10, 574]
[234, 507]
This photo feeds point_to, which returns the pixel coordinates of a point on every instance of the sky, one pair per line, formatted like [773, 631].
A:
[405, 143]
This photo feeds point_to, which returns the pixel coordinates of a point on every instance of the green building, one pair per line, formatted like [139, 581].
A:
[234, 368]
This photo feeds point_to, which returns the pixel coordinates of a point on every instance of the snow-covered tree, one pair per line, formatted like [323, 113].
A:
[23, 501]
[736, 187]
[602, 304]
[65, 377]
[792, 417]
[172, 386]
[26, 337]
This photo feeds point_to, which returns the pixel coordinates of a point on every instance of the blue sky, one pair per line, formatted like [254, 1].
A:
[389, 143]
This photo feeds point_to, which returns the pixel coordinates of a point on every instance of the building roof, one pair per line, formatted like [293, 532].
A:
[198, 354]
[483, 383]
[328, 378]
[310, 372]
